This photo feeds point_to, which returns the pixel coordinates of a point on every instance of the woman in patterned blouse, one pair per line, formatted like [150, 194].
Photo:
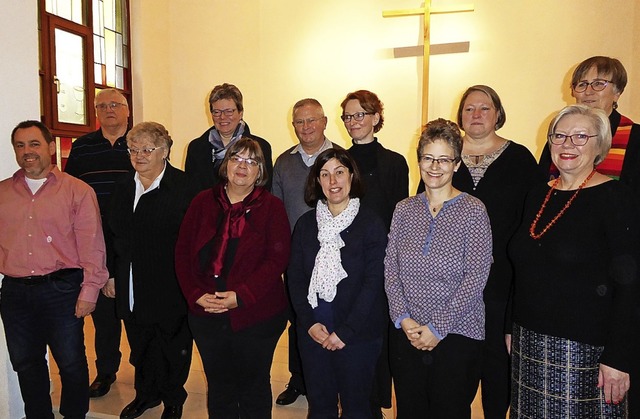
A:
[437, 263]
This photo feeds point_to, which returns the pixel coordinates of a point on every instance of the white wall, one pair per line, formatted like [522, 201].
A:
[280, 51]
[20, 100]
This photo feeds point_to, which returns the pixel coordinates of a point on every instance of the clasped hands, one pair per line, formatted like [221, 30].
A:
[218, 302]
[329, 341]
[420, 337]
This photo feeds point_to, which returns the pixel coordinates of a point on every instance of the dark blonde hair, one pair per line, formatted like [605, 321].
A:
[226, 91]
[495, 99]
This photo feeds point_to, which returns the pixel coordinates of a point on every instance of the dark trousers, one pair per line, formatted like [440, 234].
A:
[161, 354]
[496, 364]
[345, 375]
[108, 329]
[35, 316]
[441, 383]
[295, 363]
[237, 365]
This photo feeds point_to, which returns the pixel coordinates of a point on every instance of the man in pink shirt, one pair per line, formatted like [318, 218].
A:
[52, 256]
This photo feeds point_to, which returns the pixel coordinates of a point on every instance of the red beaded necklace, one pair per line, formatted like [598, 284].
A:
[532, 229]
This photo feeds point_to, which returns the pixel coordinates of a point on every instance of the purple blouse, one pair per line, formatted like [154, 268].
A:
[436, 267]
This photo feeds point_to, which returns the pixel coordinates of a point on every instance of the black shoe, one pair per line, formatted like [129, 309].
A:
[172, 412]
[137, 407]
[101, 385]
[288, 396]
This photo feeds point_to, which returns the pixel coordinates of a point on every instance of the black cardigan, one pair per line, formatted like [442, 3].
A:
[199, 163]
[359, 308]
[147, 238]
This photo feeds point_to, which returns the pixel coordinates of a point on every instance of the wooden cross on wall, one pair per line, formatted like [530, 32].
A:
[426, 11]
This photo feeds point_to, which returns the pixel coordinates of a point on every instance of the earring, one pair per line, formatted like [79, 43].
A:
[615, 105]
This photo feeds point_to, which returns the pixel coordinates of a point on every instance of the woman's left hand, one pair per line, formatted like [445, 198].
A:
[333, 342]
[427, 340]
[615, 383]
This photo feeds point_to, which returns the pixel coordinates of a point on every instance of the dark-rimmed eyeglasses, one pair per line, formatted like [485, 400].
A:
[146, 152]
[597, 85]
[218, 112]
[576, 139]
[442, 161]
[358, 116]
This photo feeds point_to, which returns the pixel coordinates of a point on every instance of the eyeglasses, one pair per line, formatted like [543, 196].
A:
[249, 161]
[597, 85]
[300, 122]
[146, 152]
[576, 139]
[442, 161]
[358, 116]
[111, 105]
[218, 112]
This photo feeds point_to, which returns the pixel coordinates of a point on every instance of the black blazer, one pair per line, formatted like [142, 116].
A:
[145, 239]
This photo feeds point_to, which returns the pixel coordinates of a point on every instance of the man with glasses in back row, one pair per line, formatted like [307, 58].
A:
[100, 159]
[289, 178]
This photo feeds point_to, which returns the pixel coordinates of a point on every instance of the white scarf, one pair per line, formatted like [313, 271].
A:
[328, 270]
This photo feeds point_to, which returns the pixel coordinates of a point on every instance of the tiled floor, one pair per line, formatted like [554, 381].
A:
[122, 392]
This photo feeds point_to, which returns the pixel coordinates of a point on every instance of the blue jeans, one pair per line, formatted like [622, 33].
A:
[35, 316]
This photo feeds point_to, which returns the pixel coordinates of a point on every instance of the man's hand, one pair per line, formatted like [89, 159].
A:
[84, 308]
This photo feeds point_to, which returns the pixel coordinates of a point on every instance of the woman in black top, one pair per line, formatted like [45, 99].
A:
[576, 281]
[385, 177]
[500, 172]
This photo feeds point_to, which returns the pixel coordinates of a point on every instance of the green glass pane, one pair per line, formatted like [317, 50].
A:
[118, 16]
[70, 75]
[119, 58]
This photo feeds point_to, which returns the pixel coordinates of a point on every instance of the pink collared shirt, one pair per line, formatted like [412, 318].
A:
[59, 227]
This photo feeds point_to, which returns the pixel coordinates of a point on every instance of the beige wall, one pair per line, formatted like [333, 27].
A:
[280, 51]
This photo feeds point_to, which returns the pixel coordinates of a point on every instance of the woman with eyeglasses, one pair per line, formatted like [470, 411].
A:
[598, 82]
[335, 281]
[499, 172]
[385, 178]
[146, 210]
[576, 292]
[206, 153]
[436, 266]
[231, 253]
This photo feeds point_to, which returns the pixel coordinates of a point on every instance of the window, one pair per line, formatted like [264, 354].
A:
[84, 47]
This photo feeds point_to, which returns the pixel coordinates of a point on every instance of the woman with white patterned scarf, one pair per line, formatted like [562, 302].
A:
[336, 285]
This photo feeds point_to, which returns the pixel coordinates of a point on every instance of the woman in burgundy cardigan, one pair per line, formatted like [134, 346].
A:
[232, 250]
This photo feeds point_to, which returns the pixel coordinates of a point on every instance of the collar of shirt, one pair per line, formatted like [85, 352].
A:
[310, 159]
[140, 188]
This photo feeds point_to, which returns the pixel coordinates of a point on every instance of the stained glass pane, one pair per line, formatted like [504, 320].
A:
[119, 59]
[109, 15]
[97, 9]
[70, 75]
[67, 9]
[97, 73]
[119, 77]
[110, 56]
